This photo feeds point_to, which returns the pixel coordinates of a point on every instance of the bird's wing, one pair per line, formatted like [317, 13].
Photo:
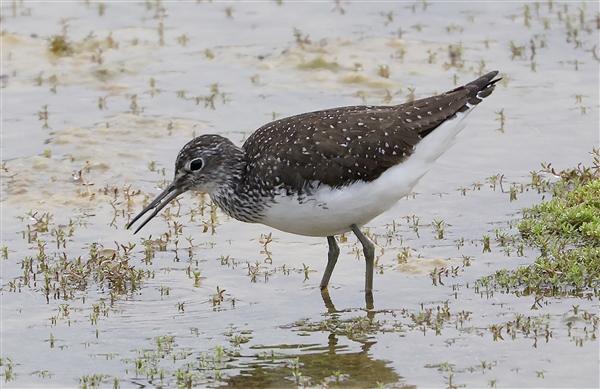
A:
[348, 144]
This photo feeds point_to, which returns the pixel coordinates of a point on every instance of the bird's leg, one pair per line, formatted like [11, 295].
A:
[332, 257]
[369, 251]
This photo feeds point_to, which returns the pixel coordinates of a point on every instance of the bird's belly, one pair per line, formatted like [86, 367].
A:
[323, 215]
[331, 211]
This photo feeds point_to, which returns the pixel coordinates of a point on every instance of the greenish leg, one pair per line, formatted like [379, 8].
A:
[369, 251]
[332, 257]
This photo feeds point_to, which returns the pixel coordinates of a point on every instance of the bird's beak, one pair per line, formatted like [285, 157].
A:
[157, 204]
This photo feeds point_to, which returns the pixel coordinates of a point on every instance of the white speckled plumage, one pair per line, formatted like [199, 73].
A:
[332, 210]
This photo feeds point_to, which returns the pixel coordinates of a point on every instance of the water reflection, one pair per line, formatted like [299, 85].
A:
[331, 308]
[309, 364]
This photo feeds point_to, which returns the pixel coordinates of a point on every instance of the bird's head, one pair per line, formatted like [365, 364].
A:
[207, 164]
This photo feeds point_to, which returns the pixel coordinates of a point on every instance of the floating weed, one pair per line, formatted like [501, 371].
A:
[466, 260]
[220, 297]
[229, 12]
[63, 275]
[60, 46]
[388, 97]
[456, 60]
[400, 53]
[214, 95]
[411, 94]
[133, 105]
[361, 94]
[236, 338]
[42, 374]
[265, 240]
[97, 56]
[533, 49]
[437, 273]
[172, 366]
[212, 223]
[431, 56]
[44, 115]
[102, 103]
[338, 6]
[164, 290]
[389, 17]
[255, 270]
[495, 181]
[93, 381]
[403, 255]
[486, 244]
[451, 370]
[356, 328]
[295, 367]
[384, 71]
[502, 119]
[8, 373]
[448, 368]
[527, 15]
[306, 271]
[39, 80]
[301, 39]
[517, 51]
[161, 33]
[197, 278]
[533, 68]
[439, 228]
[154, 90]
[183, 40]
[79, 177]
[319, 63]
[452, 27]
[418, 27]
[514, 189]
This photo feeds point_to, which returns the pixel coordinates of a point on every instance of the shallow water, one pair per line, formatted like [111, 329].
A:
[137, 87]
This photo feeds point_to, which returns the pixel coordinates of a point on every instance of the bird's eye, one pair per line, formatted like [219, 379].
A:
[196, 164]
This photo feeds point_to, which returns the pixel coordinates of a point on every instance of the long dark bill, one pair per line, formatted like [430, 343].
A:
[157, 204]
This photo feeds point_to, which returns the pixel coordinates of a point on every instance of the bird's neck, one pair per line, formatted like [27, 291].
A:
[234, 196]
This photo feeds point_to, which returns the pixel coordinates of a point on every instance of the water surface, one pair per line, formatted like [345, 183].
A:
[88, 138]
